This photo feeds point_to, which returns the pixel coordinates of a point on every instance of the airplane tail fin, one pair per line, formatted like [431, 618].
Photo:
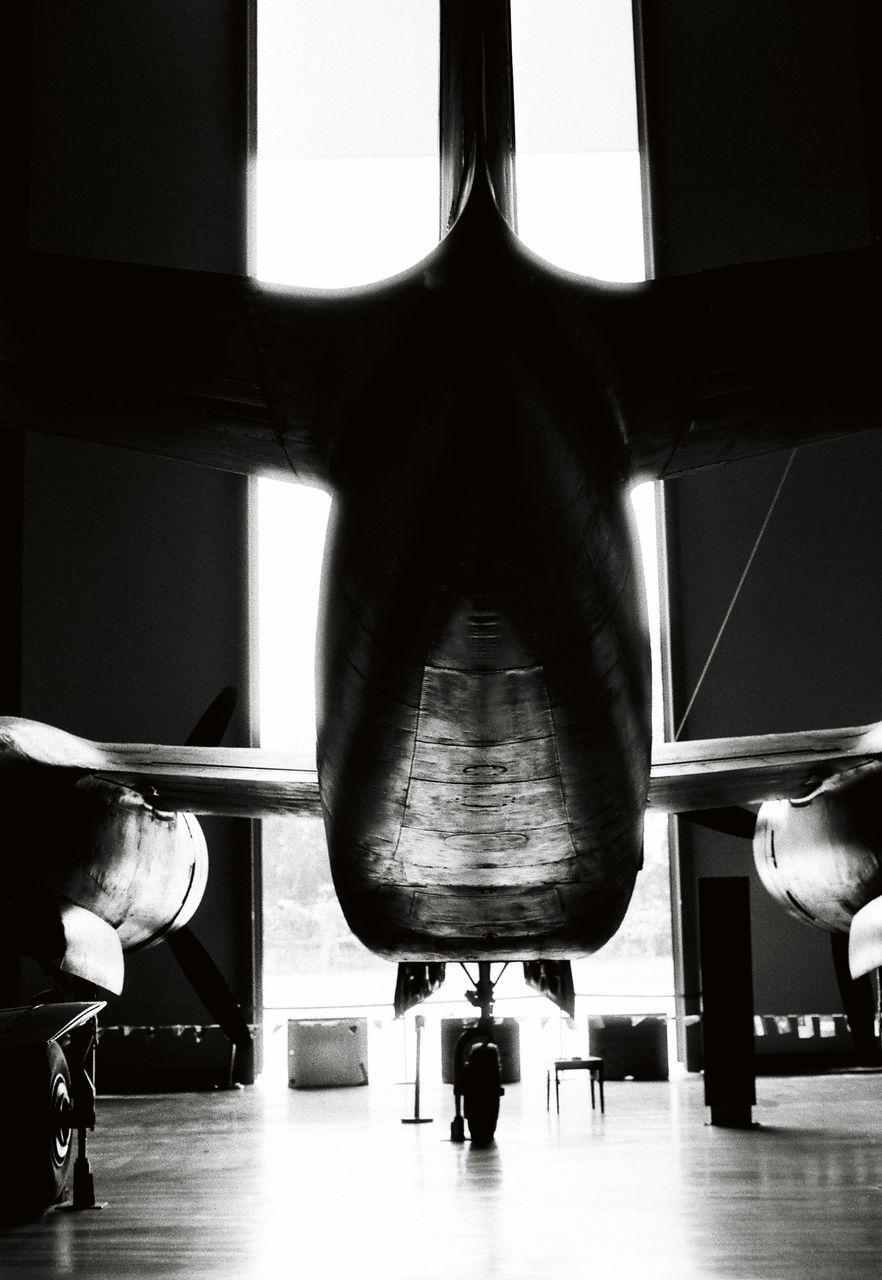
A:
[476, 106]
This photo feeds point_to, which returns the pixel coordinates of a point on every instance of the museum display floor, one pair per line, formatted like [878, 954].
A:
[270, 1182]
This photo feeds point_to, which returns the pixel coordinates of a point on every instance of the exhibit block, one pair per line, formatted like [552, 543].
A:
[326, 1052]
[633, 1046]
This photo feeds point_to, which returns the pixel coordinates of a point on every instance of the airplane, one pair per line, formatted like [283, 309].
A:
[484, 758]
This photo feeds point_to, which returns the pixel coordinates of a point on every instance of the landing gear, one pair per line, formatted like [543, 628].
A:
[477, 1072]
[481, 1093]
[46, 1093]
[35, 1086]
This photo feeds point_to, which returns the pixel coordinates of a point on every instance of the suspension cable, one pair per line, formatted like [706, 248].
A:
[737, 592]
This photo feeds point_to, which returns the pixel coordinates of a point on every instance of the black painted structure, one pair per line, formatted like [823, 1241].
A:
[727, 999]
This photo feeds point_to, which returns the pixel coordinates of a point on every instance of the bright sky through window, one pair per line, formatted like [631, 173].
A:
[347, 192]
[347, 171]
[347, 121]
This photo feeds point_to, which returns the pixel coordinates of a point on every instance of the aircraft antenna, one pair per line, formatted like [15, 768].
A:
[750, 559]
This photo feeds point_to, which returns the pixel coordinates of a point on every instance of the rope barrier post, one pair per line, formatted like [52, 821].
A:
[416, 1118]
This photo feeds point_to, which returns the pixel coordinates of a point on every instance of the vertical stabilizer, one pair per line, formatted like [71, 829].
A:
[476, 106]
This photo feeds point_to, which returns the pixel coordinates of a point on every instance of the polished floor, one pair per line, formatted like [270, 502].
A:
[271, 1182]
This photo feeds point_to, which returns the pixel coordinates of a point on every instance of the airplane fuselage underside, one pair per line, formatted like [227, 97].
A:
[484, 728]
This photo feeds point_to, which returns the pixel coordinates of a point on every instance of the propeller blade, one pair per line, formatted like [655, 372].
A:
[732, 820]
[211, 987]
[858, 1001]
[197, 965]
[215, 720]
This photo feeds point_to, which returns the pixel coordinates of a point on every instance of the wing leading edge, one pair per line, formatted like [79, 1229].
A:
[714, 773]
[235, 781]
[252, 782]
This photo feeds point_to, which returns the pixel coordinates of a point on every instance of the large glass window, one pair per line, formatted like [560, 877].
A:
[347, 191]
[346, 187]
[579, 197]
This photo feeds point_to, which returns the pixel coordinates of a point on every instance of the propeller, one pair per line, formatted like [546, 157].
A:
[196, 963]
[211, 726]
[858, 1001]
[213, 990]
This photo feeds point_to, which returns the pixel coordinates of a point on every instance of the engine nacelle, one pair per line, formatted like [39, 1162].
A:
[101, 846]
[821, 857]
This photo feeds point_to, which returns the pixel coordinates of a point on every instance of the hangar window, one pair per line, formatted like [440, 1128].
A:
[347, 185]
[578, 167]
[347, 191]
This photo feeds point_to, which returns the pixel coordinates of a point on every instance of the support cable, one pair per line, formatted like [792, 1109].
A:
[737, 592]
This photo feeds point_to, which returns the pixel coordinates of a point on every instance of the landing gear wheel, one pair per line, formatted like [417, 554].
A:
[457, 1129]
[35, 1088]
[481, 1093]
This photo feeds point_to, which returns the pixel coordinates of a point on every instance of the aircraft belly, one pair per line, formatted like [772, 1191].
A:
[483, 709]
[474, 810]
[486, 809]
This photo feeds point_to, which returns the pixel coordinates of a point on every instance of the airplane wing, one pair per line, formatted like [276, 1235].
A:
[234, 781]
[729, 363]
[210, 369]
[253, 782]
[715, 773]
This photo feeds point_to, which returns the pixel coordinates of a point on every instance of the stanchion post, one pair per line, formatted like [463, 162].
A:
[416, 1118]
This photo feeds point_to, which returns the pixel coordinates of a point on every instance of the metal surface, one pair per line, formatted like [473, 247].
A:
[553, 979]
[710, 773]
[483, 722]
[821, 857]
[104, 868]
